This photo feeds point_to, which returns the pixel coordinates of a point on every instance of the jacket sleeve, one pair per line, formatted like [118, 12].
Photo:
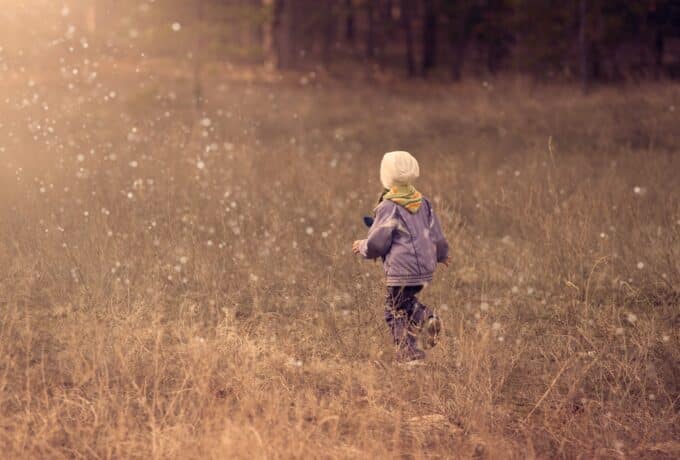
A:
[438, 237]
[379, 239]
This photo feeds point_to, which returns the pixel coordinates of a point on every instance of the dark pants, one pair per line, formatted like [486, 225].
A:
[405, 315]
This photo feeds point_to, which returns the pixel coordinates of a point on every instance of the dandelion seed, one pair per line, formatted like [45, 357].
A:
[639, 190]
[514, 290]
[640, 265]
[176, 26]
[183, 260]
[80, 158]
[619, 331]
[324, 234]
[665, 338]
[130, 195]
[530, 290]
[254, 278]
[603, 235]
[133, 164]
[65, 11]
[496, 326]
[309, 230]
[651, 396]
[501, 338]
[294, 362]
[484, 306]
[206, 122]
[631, 317]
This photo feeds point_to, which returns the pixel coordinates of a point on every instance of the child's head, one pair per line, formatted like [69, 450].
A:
[398, 168]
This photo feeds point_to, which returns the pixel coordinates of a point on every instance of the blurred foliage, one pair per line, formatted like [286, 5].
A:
[621, 39]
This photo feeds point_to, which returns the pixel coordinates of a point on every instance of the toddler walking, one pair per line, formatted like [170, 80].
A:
[407, 235]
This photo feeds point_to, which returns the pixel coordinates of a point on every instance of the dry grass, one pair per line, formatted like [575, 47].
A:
[153, 308]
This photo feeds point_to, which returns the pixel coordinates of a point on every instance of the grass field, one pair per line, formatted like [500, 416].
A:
[180, 285]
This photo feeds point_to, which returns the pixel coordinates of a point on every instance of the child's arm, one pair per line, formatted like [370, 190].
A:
[379, 239]
[439, 239]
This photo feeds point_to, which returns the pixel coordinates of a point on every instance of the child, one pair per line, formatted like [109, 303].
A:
[407, 236]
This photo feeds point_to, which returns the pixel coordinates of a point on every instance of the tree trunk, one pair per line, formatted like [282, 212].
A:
[386, 22]
[408, 36]
[429, 36]
[91, 18]
[283, 34]
[370, 35]
[268, 38]
[198, 58]
[658, 53]
[349, 22]
[460, 27]
[328, 24]
[459, 47]
[584, 64]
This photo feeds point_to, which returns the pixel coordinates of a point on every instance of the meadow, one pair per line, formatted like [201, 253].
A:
[178, 283]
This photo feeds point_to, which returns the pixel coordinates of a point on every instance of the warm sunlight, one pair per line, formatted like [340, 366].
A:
[339, 229]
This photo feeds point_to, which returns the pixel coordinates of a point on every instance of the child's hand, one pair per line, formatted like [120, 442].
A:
[355, 247]
[447, 262]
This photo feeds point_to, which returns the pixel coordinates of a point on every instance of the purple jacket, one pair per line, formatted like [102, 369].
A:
[410, 244]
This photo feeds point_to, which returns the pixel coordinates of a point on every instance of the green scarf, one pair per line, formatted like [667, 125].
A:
[406, 196]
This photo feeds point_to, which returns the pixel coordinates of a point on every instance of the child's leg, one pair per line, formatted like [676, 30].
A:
[400, 306]
[420, 313]
[395, 316]
[424, 323]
